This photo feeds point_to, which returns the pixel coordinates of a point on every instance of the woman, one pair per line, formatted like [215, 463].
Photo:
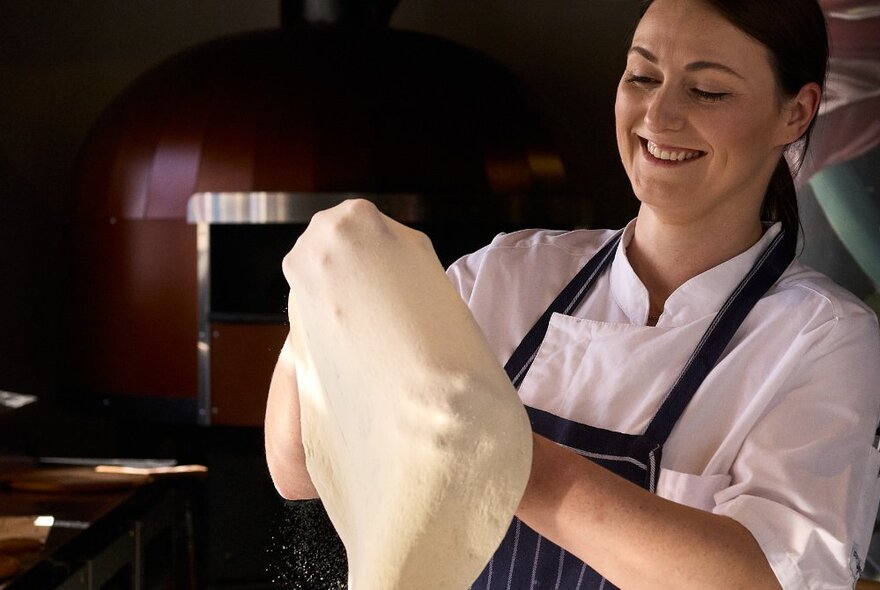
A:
[725, 395]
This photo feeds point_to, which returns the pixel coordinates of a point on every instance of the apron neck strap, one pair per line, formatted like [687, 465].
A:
[567, 300]
[767, 270]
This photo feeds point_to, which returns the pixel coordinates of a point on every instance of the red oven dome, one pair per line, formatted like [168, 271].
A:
[298, 110]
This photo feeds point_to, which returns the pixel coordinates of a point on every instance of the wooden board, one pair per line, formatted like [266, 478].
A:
[71, 480]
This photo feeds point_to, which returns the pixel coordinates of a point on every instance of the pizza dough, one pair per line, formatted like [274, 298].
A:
[415, 439]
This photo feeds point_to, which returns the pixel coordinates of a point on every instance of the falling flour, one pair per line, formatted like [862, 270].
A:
[415, 439]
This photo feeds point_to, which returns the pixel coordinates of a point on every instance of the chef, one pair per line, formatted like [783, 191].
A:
[703, 405]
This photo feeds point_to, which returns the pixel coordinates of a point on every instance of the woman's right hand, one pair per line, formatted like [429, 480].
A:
[285, 455]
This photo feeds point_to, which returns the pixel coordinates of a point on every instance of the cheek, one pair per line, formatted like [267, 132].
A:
[744, 130]
[623, 118]
[621, 109]
[732, 133]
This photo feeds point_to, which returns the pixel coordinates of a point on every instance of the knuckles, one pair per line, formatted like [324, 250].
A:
[327, 231]
[352, 226]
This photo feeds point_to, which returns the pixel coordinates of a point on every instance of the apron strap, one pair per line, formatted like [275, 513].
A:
[773, 261]
[567, 300]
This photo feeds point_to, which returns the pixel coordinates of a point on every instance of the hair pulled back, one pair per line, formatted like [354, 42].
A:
[794, 33]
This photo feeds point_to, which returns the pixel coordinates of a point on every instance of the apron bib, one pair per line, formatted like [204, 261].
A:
[525, 560]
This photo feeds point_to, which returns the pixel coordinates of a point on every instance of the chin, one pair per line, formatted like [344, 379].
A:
[671, 202]
[648, 193]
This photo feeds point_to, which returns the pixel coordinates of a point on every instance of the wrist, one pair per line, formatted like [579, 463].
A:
[546, 479]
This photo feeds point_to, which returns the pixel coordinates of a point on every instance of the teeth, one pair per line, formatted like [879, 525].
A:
[667, 155]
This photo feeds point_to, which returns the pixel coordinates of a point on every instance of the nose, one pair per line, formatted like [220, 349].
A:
[665, 111]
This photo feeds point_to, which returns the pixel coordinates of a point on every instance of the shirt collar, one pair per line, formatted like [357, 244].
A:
[702, 295]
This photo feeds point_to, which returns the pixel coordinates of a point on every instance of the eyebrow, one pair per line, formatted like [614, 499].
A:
[691, 67]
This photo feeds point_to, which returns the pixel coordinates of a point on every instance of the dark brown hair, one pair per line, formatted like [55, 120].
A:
[794, 33]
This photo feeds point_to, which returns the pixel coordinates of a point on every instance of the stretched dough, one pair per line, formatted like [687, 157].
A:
[415, 439]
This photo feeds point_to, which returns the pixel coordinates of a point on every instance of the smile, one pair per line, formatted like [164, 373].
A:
[670, 154]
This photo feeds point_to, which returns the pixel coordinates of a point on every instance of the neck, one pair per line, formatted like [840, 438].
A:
[665, 255]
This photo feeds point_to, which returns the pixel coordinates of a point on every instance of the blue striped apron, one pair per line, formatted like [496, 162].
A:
[527, 561]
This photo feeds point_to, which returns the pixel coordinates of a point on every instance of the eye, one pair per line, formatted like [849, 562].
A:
[641, 81]
[709, 96]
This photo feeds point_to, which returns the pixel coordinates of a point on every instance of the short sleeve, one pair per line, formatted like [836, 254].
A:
[463, 272]
[805, 482]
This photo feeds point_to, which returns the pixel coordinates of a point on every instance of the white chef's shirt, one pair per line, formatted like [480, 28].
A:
[780, 434]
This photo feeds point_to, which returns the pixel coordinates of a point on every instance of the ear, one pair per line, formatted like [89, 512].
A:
[798, 111]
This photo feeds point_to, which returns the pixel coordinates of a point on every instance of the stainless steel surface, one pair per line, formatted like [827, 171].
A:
[286, 207]
[203, 269]
[298, 207]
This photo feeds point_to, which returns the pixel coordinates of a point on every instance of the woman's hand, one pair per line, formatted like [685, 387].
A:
[633, 537]
[284, 449]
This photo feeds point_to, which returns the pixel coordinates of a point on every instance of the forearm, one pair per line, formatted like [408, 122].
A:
[285, 455]
[634, 538]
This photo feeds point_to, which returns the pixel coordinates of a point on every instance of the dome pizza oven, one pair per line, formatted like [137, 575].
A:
[200, 175]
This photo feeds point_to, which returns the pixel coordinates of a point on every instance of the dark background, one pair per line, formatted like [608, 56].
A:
[61, 64]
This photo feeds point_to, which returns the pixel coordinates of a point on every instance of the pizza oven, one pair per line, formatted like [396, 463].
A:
[199, 177]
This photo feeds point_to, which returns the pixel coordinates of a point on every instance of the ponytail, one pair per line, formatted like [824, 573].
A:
[780, 201]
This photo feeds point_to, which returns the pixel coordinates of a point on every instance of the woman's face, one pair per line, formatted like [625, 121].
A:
[700, 126]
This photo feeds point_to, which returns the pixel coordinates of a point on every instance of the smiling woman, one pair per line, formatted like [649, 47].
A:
[701, 90]
[703, 405]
